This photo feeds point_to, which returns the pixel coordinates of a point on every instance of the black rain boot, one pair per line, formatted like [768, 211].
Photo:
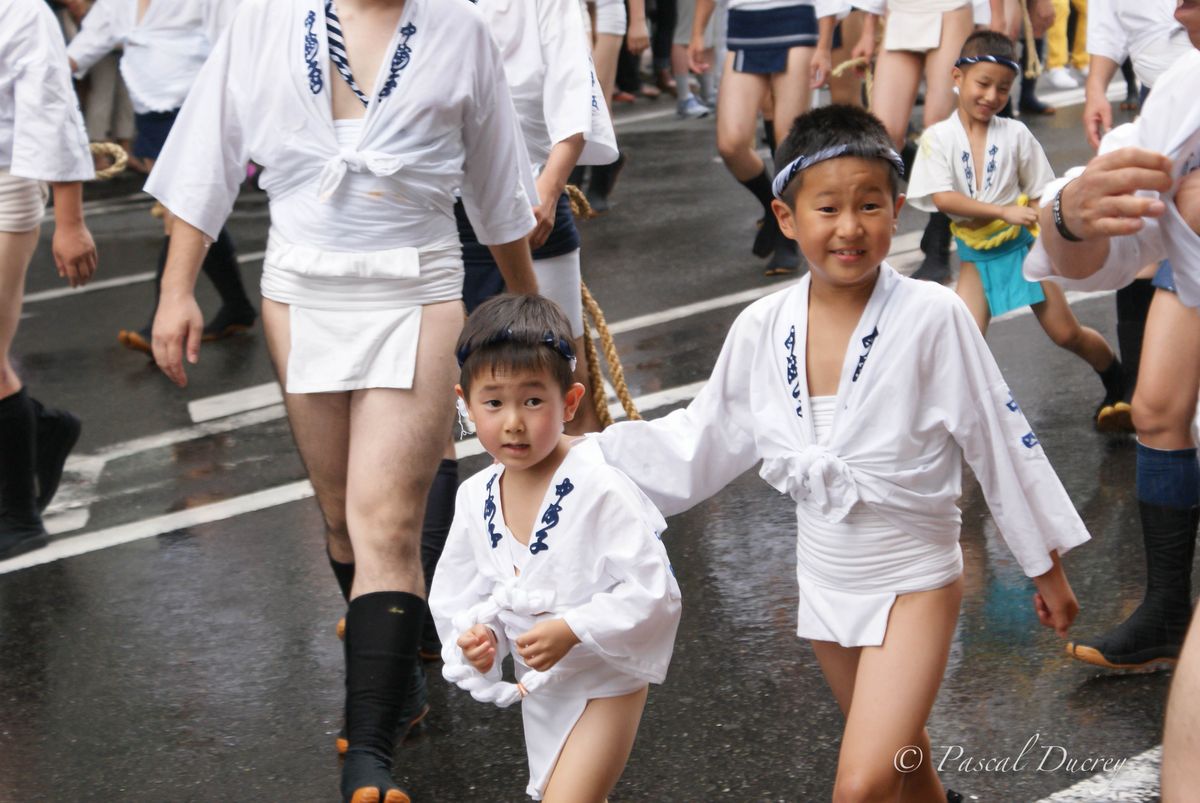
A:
[343, 573]
[602, 182]
[236, 314]
[20, 524]
[57, 433]
[1114, 413]
[1154, 632]
[935, 242]
[1133, 306]
[785, 260]
[768, 235]
[383, 630]
[439, 513]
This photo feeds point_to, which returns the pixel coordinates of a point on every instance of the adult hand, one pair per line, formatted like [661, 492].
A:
[177, 329]
[479, 647]
[819, 68]
[1097, 118]
[637, 37]
[1041, 14]
[544, 644]
[698, 56]
[865, 47]
[1101, 202]
[74, 253]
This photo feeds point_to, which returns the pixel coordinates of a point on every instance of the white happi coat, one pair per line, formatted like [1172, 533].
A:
[41, 130]
[552, 79]
[1015, 164]
[1169, 124]
[264, 95]
[163, 51]
[597, 563]
[919, 391]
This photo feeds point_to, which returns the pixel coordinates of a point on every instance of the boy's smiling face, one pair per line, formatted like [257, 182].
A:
[983, 89]
[843, 217]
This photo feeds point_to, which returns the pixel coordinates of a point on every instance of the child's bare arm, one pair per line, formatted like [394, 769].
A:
[545, 644]
[1054, 601]
[955, 203]
[479, 647]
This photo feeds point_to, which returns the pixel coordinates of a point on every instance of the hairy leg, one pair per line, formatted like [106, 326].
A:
[894, 690]
[397, 438]
[970, 290]
[940, 99]
[791, 91]
[1060, 323]
[1165, 399]
[1181, 738]
[897, 77]
[738, 103]
[16, 251]
[594, 756]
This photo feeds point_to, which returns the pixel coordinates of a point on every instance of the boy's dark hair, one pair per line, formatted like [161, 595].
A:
[834, 127]
[989, 43]
[516, 333]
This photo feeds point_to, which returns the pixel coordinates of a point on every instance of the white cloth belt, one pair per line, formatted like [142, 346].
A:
[816, 476]
[375, 162]
[505, 599]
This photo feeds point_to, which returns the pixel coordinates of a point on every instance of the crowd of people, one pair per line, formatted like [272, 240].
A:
[416, 157]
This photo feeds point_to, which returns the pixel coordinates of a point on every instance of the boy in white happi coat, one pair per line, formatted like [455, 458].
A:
[42, 139]
[861, 392]
[987, 173]
[362, 279]
[164, 44]
[554, 558]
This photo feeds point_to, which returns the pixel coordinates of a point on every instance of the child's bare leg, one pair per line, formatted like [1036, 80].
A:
[897, 76]
[1060, 323]
[594, 756]
[1164, 402]
[894, 690]
[738, 103]
[970, 290]
[940, 99]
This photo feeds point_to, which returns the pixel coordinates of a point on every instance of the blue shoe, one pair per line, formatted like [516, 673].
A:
[690, 108]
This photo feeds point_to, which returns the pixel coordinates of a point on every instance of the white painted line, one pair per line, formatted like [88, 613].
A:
[238, 401]
[68, 521]
[119, 281]
[158, 525]
[642, 117]
[1136, 782]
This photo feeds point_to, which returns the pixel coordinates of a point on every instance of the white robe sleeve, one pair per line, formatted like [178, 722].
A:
[498, 186]
[459, 585]
[202, 165]
[632, 626]
[100, 32]
[1027, 500]
[684, 458]
[838, 9]
[932, 171]
[49, 140]
[1105, 36]
[876, 7]
[1034, 171]
[567, 87]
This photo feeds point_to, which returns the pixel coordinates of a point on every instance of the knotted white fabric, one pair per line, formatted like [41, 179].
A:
[814, 476]
[374, 162]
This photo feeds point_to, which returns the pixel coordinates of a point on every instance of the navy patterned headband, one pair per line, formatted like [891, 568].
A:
[805, 161]
[1001, 60]
[558, 344]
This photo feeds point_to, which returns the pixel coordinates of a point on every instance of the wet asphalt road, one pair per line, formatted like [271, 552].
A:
[200, 663]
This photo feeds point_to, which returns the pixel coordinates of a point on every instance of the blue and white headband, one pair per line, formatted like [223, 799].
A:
[805, 161]
[558, 344]
[1001, 60]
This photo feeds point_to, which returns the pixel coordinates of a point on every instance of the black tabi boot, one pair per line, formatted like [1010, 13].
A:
[1114, 413]
[767, 239]
[602, 182]
[383, 630]
[57, 433]
[935, 242]
[1133, 306]
[20, 523]
[236, 314]
[1154, 633]
[439, 513]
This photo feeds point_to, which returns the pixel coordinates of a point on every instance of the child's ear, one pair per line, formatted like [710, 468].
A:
[463, 406]
[956, 73]
[787, 221]
[896, 207]
[571, 400]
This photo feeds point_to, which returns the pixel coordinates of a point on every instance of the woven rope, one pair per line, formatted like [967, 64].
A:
[1034, 68]
[114, 152]
[611, 358]
[580, 207]
[851, 64]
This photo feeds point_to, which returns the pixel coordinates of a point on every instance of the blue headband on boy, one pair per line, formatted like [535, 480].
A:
[1001, 60]
[805, 161]
[558, 344]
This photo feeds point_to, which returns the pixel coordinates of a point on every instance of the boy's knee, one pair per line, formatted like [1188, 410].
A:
[863, 785]
[1065, 337]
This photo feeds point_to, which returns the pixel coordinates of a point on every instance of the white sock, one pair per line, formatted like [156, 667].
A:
[706, 86]
[683, 87]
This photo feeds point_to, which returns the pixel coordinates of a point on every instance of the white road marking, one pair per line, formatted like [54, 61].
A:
[119, 281]
[1136, 782]
[237, 401]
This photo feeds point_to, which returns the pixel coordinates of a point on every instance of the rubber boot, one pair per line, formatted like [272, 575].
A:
[603, 181]
[935, 242]
[1154, 633]
[57, 433]
[236, 314]
[1133, 306]
[439, 513]
[20, 523]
